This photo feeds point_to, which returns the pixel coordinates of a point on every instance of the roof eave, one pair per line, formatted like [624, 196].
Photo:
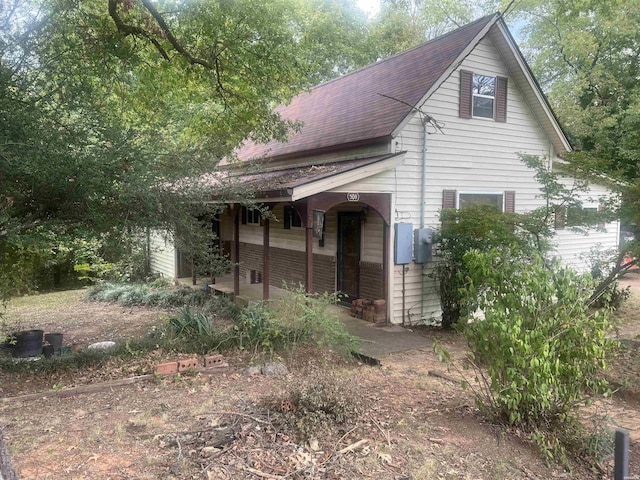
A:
[535, 86]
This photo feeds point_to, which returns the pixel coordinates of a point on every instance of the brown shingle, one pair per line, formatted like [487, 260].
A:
[351, 109]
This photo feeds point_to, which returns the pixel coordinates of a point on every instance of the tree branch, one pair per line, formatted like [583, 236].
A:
[172, 39]
[126, 29]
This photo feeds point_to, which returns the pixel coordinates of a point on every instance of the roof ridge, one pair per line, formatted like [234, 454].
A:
[404, 52]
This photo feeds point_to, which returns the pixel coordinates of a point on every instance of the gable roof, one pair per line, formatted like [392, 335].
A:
[372, 104]
[352, 109]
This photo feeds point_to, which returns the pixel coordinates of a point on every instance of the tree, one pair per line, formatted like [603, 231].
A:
[587, 56]
[106, 106]
[402, 24]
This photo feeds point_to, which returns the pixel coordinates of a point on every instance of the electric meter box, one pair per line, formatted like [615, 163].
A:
[402, 252]
[422, 243]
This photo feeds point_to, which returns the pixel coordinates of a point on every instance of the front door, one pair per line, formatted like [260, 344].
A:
[349, 255]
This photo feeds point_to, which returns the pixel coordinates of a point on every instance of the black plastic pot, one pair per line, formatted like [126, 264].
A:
[28, 343]
[54, 339]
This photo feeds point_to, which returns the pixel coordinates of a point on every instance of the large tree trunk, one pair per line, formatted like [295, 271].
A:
[7, 472]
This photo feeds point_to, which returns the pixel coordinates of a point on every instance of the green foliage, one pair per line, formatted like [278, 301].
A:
[402, 24]
[145, 295]
[611, 295]
[479, 227]
[191, 321]
[106, 105]
[542, 347]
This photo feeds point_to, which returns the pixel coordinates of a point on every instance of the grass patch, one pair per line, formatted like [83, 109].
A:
[44, 301]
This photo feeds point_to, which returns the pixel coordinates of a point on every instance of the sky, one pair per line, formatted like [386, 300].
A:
[371, 7]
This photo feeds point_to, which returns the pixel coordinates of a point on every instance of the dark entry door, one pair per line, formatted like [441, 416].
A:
[349, 254]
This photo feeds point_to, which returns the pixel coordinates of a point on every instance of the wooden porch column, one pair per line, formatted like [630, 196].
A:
[265, 260]
[236, 253]
[309, 250]
[386, 231]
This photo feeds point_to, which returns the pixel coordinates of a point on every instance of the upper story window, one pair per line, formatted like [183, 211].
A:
[484, 95]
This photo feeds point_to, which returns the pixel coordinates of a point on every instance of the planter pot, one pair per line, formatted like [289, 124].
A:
[48, 351]
[28, 343]
[54, 339]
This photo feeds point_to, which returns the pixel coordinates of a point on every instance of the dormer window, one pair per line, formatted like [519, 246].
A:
[483, 96]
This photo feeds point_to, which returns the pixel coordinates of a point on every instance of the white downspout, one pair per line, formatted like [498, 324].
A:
[424, 119]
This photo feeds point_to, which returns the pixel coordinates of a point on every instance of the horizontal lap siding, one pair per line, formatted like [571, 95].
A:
[574, 247]
[163, 255]
[472, 155]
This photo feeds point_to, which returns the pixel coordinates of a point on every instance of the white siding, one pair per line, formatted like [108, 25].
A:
[163, 255]
[471, 155]
[573, 246]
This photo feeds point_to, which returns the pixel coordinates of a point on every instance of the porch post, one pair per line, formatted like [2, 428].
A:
[265, 260]
[236, 253]
[385, 261]
[309, 250]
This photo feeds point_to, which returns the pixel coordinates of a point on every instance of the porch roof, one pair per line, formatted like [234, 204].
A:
[295, 183]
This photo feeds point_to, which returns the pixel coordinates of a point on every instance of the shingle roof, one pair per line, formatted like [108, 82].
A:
[278, 182]
[352, 108]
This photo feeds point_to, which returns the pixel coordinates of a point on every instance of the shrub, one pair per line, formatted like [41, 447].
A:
[312, 320]
[191, 321]
[480, 227]
[542, 347]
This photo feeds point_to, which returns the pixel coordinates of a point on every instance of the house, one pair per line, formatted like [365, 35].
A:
[381, 151]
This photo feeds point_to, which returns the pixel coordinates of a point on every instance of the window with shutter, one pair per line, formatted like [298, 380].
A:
[483, 96]
[448, 199]
[465, 93]
[502, 201]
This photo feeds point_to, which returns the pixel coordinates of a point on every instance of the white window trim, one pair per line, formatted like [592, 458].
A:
[479, 192]
[492, 97]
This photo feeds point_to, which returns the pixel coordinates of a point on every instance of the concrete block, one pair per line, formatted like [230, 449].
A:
[166, 368]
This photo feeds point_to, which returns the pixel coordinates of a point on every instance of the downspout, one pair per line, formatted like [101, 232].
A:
[425, 118]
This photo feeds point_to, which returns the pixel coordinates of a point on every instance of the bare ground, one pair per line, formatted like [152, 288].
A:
[413, 425]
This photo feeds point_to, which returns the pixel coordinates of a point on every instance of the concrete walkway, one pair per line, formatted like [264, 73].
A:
[378, 341]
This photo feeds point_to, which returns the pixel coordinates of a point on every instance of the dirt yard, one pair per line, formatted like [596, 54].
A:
[412, 425]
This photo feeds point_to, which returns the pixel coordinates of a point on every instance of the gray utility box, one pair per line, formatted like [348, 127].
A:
[402, 253]
[422, 243]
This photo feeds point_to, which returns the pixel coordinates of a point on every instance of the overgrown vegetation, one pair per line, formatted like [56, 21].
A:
[206, 323]
[484, 228]
[538, 350]
[320, 403]
[155, 294]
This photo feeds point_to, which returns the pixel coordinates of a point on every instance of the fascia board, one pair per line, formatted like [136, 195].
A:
[344, 178]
